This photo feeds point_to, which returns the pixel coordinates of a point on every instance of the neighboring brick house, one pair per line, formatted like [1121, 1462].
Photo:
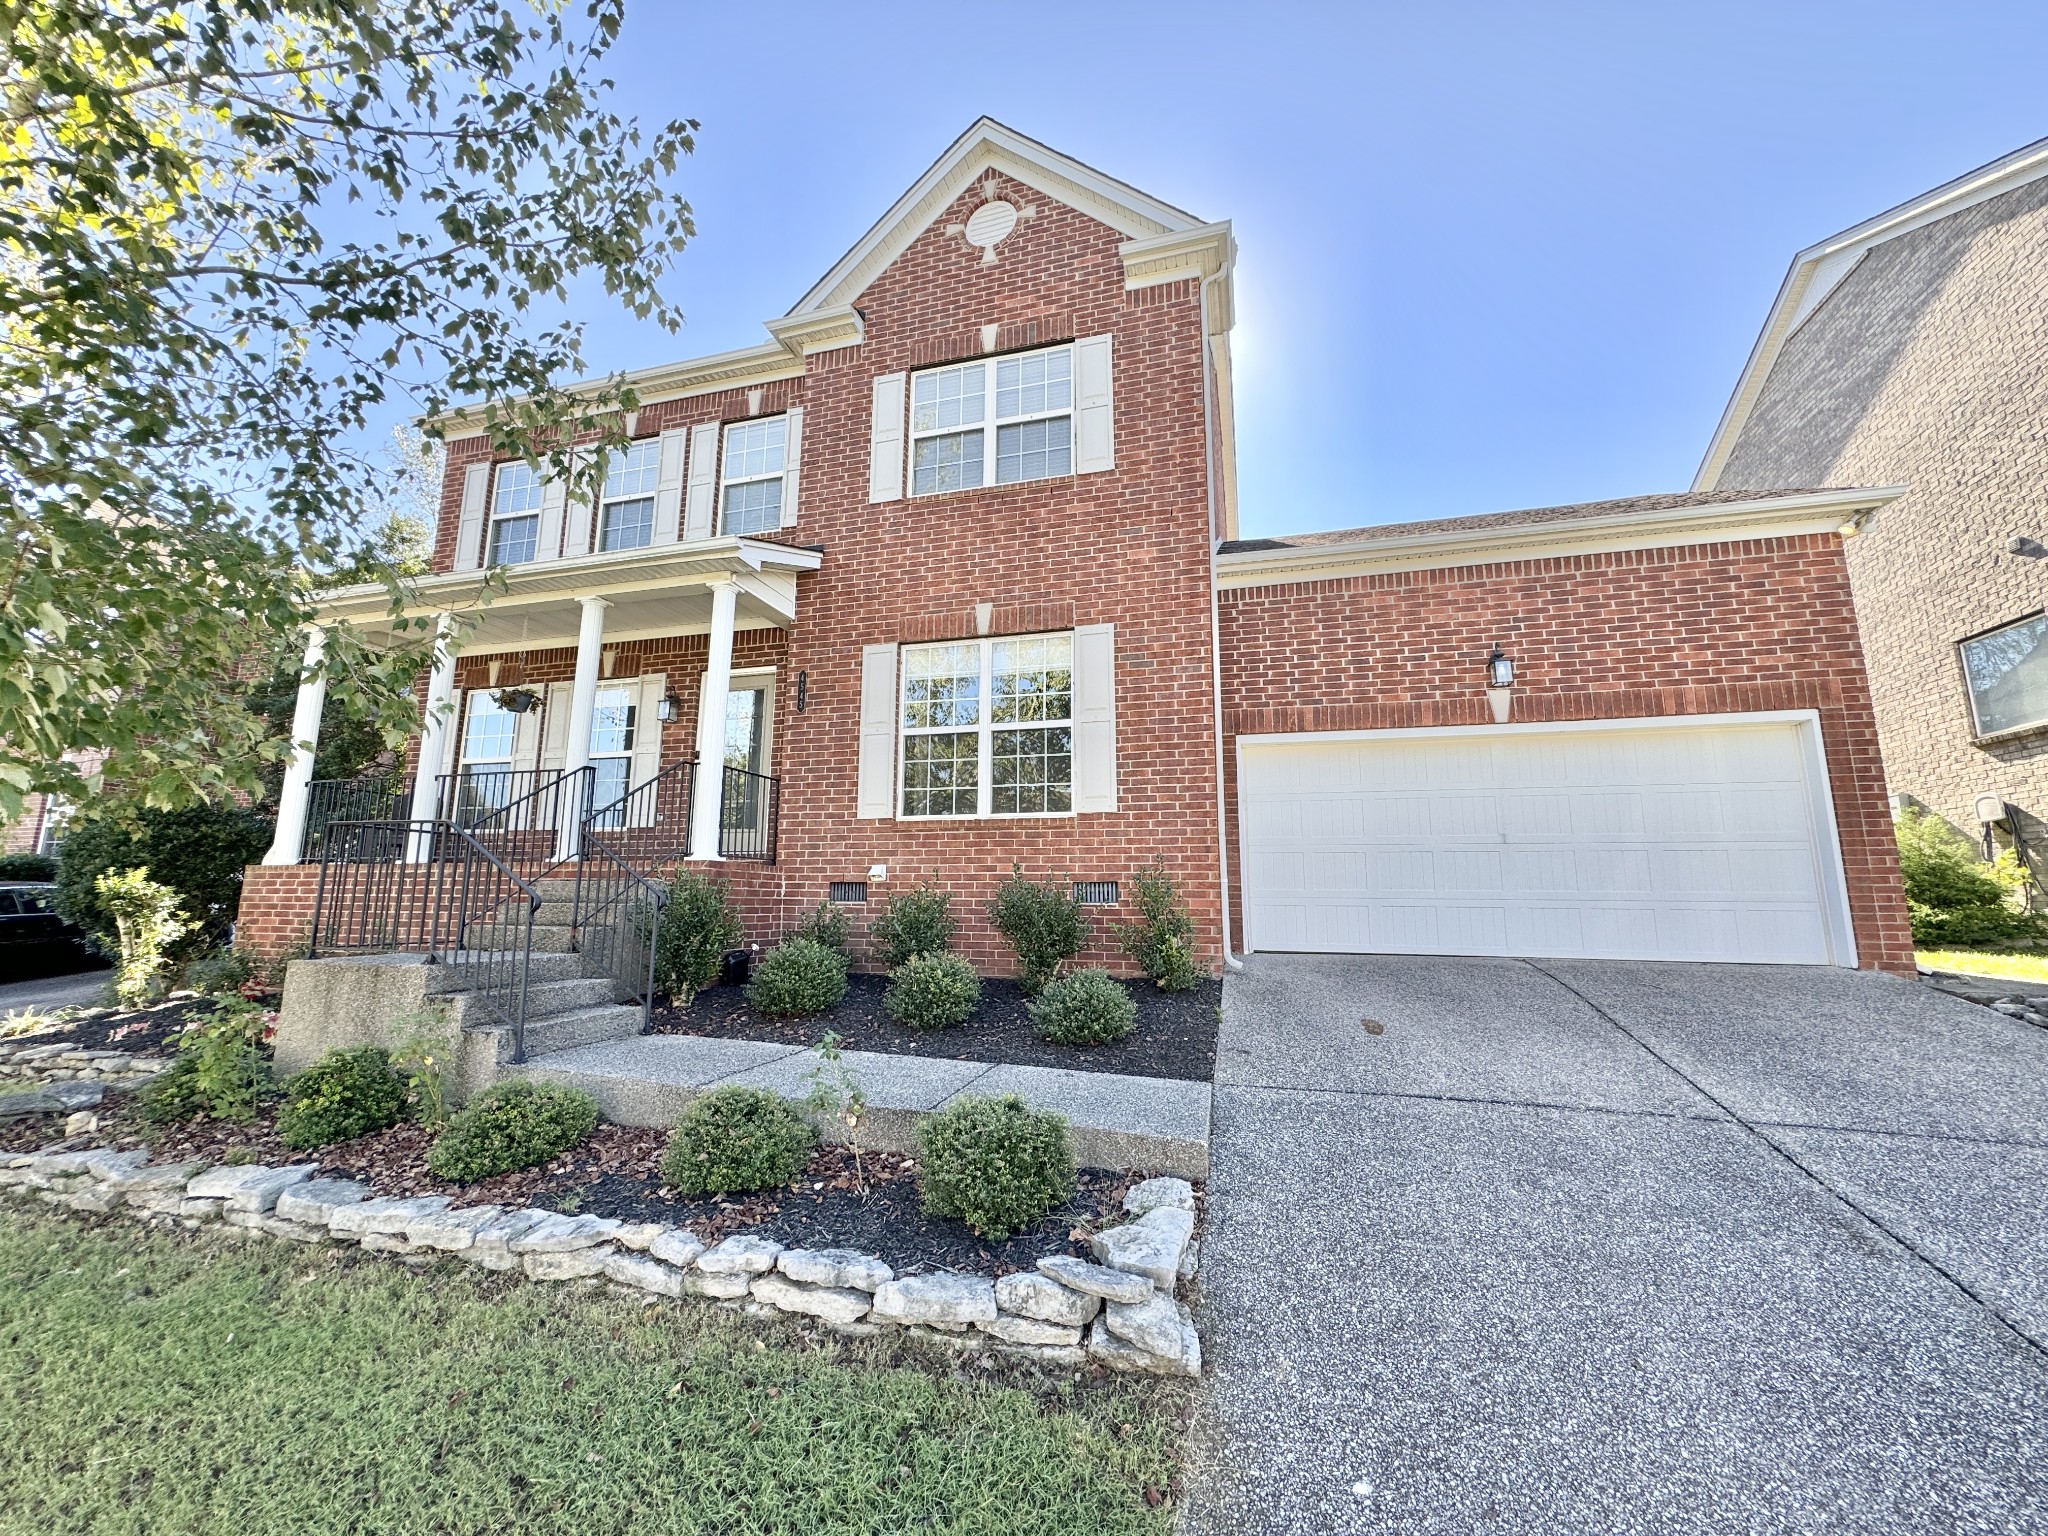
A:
[1912, 350]
[37, 829]
[947, 575]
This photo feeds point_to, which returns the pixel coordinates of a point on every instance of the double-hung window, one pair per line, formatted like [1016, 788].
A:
[2006, 672]
[515, 515]
[625, 513]
[614, 723]
[756, 454]
[485, 784]
[987, 727]
[994, 421]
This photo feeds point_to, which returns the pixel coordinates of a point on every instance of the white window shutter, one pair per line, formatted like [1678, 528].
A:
[698, 521]
[646, 745]
[885, 438]
[1095, 717]
[792, 461]
[577, 537]
[469, 533]
[554, 493]
[875, 792]
[526, 741]
[668, 490]
[1094, 407]
[554, 744]
[451, 739]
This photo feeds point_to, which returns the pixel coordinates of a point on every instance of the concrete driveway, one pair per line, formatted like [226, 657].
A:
[1578, 1246]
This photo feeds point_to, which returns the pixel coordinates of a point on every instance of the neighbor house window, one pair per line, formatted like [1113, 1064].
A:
[625, 513]
[515, 515]
[995, 421]
[755, 452]
[2006, 672]
[988, 727]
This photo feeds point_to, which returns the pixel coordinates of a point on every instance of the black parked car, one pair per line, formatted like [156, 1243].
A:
[34, 940]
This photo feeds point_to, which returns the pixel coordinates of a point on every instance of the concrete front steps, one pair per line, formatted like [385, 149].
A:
[1160, 1125]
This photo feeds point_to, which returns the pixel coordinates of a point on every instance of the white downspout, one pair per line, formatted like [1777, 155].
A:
[1230, 961]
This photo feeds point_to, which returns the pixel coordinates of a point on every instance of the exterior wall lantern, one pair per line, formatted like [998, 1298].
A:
[669, 710]
[1500, 684]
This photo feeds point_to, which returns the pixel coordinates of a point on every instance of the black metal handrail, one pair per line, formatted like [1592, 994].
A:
[432, 889]
[370, 797]
[520, 813]
[748, 815]
[625, 845]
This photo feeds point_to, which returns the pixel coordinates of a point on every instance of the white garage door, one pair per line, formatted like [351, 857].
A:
[1644, 841]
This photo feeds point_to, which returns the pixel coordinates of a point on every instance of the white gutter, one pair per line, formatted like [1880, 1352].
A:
[1230, 961]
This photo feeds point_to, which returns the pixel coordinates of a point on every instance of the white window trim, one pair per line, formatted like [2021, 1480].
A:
[984, 787]
[725, 482]
[990, 423]
[1977, 729]
[651, 496]
[495, 517]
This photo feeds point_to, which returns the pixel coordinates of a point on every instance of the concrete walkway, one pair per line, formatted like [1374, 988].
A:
[1157, 1124]
[1579, 1247]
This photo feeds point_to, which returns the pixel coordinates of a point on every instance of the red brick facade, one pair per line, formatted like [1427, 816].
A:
[1764, 624]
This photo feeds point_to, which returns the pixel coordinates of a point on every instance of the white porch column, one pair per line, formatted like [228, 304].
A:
[707, 812]
[582, 709]
[292, 794]
[435, 724]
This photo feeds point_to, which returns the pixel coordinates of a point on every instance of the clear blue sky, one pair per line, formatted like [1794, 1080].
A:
[1491, 255]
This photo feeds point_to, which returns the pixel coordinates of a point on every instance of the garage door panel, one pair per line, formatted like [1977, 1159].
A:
[1669, 842]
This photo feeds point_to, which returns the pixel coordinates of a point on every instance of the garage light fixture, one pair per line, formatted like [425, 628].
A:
[1500, 669]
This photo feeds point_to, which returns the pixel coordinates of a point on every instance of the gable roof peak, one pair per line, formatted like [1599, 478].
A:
[989, 145]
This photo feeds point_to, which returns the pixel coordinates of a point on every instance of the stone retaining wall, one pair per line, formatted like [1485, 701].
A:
[43, 1062]
[1121, 1312]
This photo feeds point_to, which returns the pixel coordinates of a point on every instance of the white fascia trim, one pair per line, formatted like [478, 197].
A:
[1763, 518]
[1817, 271]
[1832, 874]
[987, 143]
[619, 570]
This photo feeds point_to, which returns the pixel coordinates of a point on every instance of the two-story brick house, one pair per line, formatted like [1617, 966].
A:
[947, 574]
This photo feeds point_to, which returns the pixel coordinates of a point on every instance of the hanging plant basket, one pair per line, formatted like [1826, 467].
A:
[516, 701]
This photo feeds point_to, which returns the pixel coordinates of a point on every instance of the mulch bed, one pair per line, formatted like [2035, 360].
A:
[142, 1031]
[615, 1174]
[1175, 1034]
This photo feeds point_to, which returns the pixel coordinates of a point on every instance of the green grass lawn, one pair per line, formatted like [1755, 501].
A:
[158, 1382]
[2023, 965]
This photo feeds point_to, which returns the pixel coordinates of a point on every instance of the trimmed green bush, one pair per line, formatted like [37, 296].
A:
[1088, 1007]
[343, 1095]
[996, 1164]
[514, 1125]
[797, 977]
[932, 992]
[1044, 924]
[918, 922]
[27, 866]
[697, 927]
[198, 851]
[1953, 896]
[828, 925]
[736, 1139]
[1162, 940]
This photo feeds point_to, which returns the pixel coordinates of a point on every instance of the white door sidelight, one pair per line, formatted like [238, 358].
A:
[1703, 838]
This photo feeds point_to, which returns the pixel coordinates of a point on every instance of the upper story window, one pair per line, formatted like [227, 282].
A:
[515, 515]
[995, 421]
[756, 453]
[625, 513]
[2006, 672]
[987, 727]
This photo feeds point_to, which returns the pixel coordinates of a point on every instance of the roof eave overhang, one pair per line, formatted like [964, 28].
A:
[1724, 522]
[636, 570]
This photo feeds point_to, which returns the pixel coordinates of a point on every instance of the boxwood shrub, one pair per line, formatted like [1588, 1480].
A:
[918, 922]
[797, 977]
[1088, 1007]
[343, 1095]
[514, 1125]
[736, 1139]
[996, 1164]
[932, 992]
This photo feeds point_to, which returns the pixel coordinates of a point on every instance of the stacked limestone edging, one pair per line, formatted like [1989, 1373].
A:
[43, 1062]
[1121, 1312]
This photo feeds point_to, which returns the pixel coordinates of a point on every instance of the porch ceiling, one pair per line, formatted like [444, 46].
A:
[650, 593]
